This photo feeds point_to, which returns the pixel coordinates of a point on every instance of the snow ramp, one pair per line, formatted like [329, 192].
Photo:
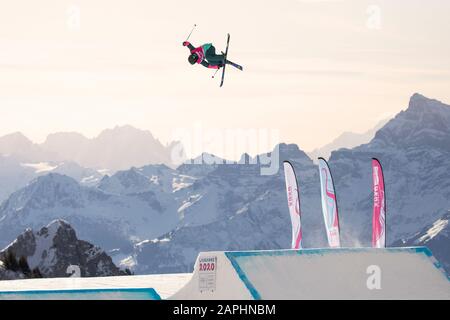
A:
[83, 294]
[145, 287]
[356, 273]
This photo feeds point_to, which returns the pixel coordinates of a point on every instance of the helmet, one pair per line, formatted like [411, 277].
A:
[193, 58]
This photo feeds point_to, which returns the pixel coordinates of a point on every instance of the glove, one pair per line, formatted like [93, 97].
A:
[185, 43]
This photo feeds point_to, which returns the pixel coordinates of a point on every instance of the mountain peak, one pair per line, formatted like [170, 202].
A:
[54, 226]
[291, 151]
[17, 136]
[45, 192]
[53, 178]
[125, 182]
[418, 96]
[125, 130]
[208, 158]
[55, 248]
[66, 137]
[17, 144]
[420, 102]
[425, 123]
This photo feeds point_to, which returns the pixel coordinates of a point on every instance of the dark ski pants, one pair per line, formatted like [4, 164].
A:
[213, 58]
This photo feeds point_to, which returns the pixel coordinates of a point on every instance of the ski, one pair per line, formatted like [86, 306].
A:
[235, 65]
[225, 59]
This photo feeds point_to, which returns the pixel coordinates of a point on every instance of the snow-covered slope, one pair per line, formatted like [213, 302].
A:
[13, 175]
[16, 174]
[436, 237]
[157, 178]
[55, 247]
[85, 176]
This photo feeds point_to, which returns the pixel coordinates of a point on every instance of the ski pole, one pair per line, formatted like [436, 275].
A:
[215, 73]
[191, 32]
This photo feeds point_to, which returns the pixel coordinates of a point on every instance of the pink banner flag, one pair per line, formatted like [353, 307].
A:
[293, 198]
[379, 206]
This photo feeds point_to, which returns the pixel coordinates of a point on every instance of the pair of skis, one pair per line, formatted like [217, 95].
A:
[228, 62]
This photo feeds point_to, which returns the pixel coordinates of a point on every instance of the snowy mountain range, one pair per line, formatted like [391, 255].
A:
[156, 219]
[111, 149]
[54, 248]
[414, 150]
[72, 154]
[16, 174]
[106, 219]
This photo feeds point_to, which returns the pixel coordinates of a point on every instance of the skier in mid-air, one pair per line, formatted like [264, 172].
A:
[205, 55]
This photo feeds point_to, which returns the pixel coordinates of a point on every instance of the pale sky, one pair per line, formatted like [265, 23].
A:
[313, 69]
